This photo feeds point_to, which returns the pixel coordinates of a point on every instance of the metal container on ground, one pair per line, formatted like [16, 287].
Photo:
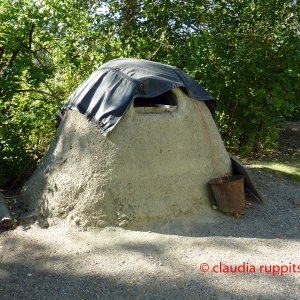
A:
[229, 193]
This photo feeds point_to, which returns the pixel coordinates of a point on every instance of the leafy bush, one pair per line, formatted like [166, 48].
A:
[25, 132]
[245, 53]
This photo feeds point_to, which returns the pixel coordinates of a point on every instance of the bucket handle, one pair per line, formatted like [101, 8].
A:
[224, 179]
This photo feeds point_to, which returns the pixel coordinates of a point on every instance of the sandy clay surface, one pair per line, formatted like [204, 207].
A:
[163, 262]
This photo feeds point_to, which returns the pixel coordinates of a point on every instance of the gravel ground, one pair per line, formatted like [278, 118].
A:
[163, 261]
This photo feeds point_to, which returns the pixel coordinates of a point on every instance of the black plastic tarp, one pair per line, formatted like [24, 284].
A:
[105, 96]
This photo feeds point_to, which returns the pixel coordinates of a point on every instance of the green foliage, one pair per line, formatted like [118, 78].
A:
[246, 53]
[25, 132]
[255, 69]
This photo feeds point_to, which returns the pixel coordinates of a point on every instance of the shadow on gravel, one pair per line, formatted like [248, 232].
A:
[29, 270]
[277, 217]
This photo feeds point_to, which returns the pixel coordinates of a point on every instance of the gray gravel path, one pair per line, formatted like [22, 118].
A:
[162, 261]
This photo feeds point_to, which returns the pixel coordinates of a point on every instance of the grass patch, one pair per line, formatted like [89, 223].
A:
[289, 169]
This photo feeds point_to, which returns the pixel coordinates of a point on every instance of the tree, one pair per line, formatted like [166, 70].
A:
[245, 53]
[253, 68]
[36, 72]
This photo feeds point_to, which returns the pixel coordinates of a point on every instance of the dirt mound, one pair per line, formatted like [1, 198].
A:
[150, 167]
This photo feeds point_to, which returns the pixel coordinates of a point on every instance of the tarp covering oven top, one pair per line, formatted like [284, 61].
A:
[105, 96]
